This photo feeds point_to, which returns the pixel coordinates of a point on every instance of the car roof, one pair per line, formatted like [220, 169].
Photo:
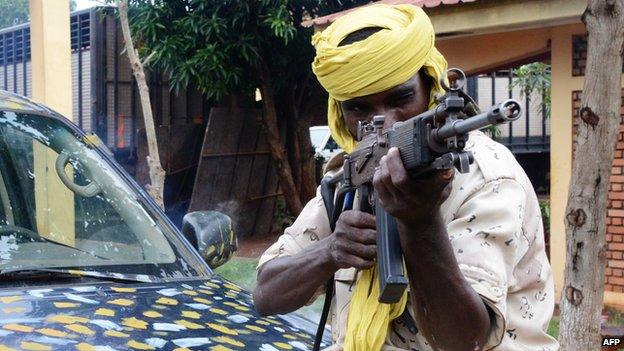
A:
[18, 103]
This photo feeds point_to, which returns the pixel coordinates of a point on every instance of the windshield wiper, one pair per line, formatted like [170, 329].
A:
[25, 272]
[74, 248]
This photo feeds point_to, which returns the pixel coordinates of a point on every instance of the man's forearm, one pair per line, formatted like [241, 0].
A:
[449, 312]
[287, 283]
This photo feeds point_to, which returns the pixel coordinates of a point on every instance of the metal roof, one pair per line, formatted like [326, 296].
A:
[326, 20]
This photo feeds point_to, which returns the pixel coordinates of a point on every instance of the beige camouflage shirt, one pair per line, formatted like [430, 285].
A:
[495, 227]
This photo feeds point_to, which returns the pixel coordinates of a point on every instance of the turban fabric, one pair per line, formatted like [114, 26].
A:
[387, 58]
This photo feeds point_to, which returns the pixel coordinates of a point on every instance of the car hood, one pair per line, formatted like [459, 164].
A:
[200, 314]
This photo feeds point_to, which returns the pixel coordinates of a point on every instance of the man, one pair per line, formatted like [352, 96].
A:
[473, 243]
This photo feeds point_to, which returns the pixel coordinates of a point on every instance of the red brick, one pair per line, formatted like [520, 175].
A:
[616, 170]
[616, 264]
[618, 154]
[616, 246]
[608, 287]
[615, 229]
[618, 273]
[609, 254]
[615, 213]
[618, 162]
[616, 204]
[616, 281]
[616, 187]
[617, 255]
[608, 221]
[616, 179]
[619, 146]
[618, 289]
[617, 238]
[609, 237]
[616, 195]
[616, 221]
[608, 271]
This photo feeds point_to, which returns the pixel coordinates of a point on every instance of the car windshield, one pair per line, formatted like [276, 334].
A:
[317, 136]
[63, 205]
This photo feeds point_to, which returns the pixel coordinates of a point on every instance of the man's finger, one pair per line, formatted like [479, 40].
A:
[396, 169]
[365, 236]
[368, 252]
[357, 262]
[380, 187]
[358, 219]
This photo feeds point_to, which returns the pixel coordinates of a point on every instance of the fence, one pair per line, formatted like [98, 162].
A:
[530, 133]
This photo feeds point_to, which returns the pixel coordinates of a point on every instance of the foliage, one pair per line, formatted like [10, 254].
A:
[545, 210]
[282, 218]
[534, 77]
[14, 12]
[218, 45]
[492, 131]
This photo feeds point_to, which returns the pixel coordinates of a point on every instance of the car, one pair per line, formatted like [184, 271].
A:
[88, 261]
[324, 145]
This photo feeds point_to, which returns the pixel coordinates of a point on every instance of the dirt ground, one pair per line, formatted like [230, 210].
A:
[253, 247]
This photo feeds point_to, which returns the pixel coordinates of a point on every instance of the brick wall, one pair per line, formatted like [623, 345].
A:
[614, 273]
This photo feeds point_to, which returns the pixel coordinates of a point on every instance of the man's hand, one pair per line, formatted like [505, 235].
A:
[353, 242]
[412, 201]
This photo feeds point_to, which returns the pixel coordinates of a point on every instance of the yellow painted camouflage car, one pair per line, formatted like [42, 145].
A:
[89, 262]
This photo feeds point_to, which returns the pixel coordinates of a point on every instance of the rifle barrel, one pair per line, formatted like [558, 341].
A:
[505, 112]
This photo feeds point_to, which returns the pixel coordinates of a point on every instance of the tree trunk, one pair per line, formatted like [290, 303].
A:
[582, 295]
[292, 144]
[156, 172]
[306, 158]
[269, 118]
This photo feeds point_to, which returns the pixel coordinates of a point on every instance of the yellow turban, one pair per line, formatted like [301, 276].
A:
[387, 58]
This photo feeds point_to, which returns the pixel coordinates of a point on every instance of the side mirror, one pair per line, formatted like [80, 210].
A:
[211, 233]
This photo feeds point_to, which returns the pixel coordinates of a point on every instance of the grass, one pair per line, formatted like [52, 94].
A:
[615, 319]
[242, 271]
[553, 327]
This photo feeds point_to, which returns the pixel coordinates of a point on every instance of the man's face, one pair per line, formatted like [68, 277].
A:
[396, 104]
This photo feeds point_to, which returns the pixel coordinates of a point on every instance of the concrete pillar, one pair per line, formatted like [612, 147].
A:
[50, 41]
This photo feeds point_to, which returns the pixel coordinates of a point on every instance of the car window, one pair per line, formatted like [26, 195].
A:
[331, 144]
[317, 136]
[63, 205]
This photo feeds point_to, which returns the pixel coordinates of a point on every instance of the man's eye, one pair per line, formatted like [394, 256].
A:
[356, 109]
[405, 97]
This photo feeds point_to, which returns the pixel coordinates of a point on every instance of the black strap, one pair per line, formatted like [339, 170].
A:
[328, 189]
[329, 292]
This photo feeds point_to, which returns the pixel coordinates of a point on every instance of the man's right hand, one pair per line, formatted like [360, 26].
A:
[354, 241]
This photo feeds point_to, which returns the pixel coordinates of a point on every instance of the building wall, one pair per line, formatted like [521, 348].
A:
[478, 53]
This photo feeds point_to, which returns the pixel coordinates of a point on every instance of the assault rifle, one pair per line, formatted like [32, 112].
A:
[432, 140]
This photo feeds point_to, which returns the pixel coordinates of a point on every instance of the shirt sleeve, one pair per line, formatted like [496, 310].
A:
[486, 235]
